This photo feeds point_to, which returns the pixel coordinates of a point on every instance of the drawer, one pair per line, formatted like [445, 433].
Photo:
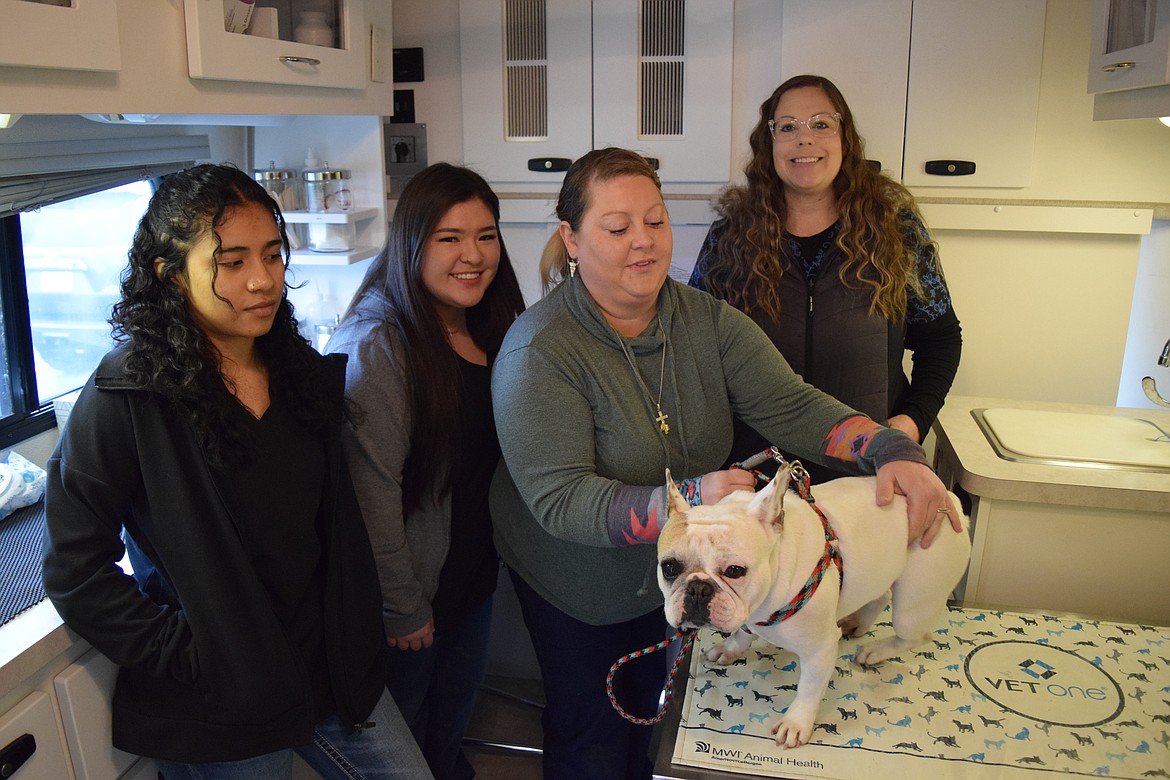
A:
[34, 715]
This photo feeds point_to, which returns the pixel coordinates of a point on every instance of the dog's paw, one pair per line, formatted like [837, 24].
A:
[850, 625]
[793, 731]
[724, 655]
[868, 655]
[874, 653]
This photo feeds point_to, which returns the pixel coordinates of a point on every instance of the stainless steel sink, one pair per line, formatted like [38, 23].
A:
[1072, 439]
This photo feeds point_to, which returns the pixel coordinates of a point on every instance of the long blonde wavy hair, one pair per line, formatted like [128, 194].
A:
[879, 243]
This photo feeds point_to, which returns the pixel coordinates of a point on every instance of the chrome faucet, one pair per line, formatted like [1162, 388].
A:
[1148, 386]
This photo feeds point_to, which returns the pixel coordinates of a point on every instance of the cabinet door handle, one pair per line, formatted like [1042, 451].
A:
[15, 753]
[306, 60]
[1116, 66]
[549, 164]
[950, 167]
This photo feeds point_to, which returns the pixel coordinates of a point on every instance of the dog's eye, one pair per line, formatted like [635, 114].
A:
[734, 572]
[671, 569]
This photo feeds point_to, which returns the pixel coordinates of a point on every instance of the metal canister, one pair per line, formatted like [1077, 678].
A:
[281, 184]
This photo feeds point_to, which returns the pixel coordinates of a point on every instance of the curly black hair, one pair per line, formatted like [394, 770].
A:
[169, 353]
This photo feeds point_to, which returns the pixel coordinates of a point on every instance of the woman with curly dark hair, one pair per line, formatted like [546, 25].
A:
[207, 447]
[832, 259]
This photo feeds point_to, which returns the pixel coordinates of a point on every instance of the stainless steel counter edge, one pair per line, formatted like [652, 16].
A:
[982, 472]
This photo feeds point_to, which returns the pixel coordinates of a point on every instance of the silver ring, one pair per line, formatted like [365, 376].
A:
[943, 511]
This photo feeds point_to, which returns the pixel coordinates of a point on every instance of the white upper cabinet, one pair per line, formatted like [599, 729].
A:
[973, 92]
[1131, 45]
[545, 81]
[662, 84]
[215, 53]
[934, 85]
[527, 81]
[867, 60]
[82, 35]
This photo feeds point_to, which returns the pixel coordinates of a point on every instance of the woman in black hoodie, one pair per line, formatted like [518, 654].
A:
[207, 447]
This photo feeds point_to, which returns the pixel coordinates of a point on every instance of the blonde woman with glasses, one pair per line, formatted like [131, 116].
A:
[832, 259]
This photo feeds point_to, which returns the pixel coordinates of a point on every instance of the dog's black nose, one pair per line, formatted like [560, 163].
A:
[700, 589]
[696, 602]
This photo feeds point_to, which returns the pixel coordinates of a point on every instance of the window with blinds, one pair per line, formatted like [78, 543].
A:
[69, 204]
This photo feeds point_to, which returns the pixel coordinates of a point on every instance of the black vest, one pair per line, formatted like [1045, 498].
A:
[828, 336]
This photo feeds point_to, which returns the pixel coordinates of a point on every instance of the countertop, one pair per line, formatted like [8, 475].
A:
[31, 641]
[981, 472]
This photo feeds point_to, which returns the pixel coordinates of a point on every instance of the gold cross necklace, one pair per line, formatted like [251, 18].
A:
[662, 416]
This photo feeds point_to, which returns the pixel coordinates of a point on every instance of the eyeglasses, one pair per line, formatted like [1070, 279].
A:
[787, 128]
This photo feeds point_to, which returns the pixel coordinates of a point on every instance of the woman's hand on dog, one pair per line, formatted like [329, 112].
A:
[925, 497]
[714, 485]
[415, 640]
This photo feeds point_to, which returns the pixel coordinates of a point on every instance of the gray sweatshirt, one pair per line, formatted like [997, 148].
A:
[578, 499]
[409, 549]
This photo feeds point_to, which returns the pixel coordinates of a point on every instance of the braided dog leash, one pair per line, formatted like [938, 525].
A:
[688, 636]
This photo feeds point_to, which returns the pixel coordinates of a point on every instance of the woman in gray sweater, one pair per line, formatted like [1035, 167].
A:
[616, 375]
[420, 336]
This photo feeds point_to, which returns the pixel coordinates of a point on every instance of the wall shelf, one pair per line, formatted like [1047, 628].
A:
[329, 217]
[349, 257]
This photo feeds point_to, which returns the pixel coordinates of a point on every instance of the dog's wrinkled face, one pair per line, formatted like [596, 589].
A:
[715, 562]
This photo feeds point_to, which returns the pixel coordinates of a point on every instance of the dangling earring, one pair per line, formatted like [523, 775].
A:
[572, 267]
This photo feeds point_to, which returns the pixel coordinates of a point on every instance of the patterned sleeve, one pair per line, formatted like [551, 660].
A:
[934, 336]
[698, 278]
[934, 300]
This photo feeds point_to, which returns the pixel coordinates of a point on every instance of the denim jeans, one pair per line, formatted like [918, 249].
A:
[383, 752]
[435, 690]
[584, 737]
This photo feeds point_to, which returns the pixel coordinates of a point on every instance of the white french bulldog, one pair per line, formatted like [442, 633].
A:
[734, 564]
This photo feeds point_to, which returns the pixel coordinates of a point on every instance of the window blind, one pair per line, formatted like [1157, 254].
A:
[36, 173]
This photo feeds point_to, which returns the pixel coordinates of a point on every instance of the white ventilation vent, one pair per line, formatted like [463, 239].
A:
[525, 70]
[661, 66]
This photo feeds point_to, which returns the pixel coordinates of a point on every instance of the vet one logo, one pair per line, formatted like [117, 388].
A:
[1045, 672]
[1045, 683]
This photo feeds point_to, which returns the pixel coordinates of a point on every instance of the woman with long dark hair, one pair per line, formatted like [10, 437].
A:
[421, 333]
[207, 446]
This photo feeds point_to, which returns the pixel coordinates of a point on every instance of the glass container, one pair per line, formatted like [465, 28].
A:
[281, 185]
[327, 190]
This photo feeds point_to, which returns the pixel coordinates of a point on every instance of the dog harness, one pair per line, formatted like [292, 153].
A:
[832, 552]
[830, 557]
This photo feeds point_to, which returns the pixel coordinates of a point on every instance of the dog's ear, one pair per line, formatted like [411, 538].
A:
[676, 505]
[768, 504]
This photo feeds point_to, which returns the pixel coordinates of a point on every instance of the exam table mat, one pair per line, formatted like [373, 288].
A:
[995, 694]
[20, 560]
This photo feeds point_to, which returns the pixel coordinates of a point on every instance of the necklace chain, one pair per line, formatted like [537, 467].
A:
[661, 418]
